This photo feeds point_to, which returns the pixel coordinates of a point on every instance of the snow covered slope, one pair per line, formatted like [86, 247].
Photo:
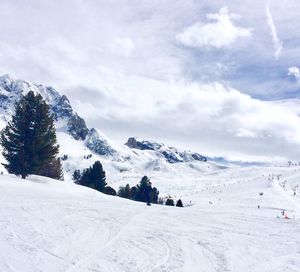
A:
[48, 225]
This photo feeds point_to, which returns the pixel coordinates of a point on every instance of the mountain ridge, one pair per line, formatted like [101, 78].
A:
[11, 90]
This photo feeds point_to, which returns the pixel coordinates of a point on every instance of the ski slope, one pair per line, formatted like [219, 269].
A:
[48, 225]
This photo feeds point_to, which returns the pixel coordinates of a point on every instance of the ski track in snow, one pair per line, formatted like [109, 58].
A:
[62, 227]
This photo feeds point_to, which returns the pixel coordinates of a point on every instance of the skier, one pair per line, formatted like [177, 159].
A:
[147, 191]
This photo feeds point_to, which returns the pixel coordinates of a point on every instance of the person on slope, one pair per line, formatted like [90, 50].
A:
[147, 191]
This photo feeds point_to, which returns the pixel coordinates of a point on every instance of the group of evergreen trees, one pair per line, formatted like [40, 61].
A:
[170, 202]
[30, 147]
[93, 177]
[29, 140]
[143, 191]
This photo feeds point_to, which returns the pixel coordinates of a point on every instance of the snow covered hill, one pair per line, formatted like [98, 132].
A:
[48, 225]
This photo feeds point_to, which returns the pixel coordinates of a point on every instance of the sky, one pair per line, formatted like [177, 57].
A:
[218, 77]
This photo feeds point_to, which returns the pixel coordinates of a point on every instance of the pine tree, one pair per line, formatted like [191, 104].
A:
[127, 191]
[85, 178]
[29, 140]
[142, 190]
[98, 176]
[93, 177]
[76, 176]
[124, 192]
[154, 195]
[133, 192]
[170, 202]
[179, 203]
[109, 191]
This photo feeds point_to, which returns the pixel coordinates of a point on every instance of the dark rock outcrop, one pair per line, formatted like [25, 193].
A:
[62, 108]
[77, 127]
[98, 144]
[170, 154]
[142, 144]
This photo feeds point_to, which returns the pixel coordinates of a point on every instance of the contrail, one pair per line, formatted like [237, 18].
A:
[275, 39]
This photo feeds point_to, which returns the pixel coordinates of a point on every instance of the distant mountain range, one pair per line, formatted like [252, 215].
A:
[171, 154]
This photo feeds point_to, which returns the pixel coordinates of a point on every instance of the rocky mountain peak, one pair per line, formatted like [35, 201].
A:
[77, 127]
[134, 142]
[96, 141]
[171, 154]
[7, 80]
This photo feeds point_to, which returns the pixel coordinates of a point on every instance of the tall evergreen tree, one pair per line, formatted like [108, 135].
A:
[98, 175]
[29, 140]
[154, 195]
[94, 177]
[142, 189]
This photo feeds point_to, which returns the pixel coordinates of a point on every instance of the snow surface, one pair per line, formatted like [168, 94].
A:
[48, 225]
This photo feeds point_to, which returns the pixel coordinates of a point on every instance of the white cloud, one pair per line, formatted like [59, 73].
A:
[117, 62]
[122, 46]
[294, 72]
[209, 118]
[221, 32]
[275, 39]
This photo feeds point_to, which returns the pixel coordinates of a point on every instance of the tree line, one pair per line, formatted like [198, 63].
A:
[94, 177]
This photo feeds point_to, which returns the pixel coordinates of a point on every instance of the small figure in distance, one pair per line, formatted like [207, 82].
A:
[148, 190]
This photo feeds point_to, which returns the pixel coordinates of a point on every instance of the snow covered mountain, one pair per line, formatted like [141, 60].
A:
[136, 157]
[11, 91]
